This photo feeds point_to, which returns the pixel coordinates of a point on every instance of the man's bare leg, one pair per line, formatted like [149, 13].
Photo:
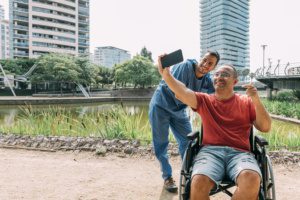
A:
[200, 187]
[248, 183]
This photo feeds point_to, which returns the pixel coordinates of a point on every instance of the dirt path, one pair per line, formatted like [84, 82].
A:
[34, 175]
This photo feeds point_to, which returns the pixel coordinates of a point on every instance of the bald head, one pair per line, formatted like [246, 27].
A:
[231, 68]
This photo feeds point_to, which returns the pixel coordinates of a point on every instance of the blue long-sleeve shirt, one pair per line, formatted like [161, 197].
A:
[185, 73]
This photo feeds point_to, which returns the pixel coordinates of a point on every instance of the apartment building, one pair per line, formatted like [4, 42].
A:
[2, 13]
[45, 26]
[108, 56]
[225, 28]
[4, 39]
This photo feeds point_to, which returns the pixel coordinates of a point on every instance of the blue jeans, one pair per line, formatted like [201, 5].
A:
[161, 119]
[218, 162]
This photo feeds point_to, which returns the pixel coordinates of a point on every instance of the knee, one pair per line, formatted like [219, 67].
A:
[249, 178]
[201, 183]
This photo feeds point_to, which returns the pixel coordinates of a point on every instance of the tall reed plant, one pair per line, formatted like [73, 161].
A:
[283, 135]
[115, 123]
[286, 108]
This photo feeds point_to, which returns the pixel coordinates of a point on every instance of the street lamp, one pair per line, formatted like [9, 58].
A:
[264, 47]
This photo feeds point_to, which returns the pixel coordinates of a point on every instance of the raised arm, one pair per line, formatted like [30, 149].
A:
[182, 93]
[263, 119]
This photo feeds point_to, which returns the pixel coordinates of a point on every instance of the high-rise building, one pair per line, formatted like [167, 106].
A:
[4, 35]
[2, 13]
[4, 39]
[108, 56]
[225, 28]
[44, 26]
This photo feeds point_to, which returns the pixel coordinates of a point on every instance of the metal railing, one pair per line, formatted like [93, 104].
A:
[8, 81]
[279, 70]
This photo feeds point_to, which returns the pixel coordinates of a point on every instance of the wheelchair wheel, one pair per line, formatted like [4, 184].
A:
[182, 182]
[184, 188]
[270, 193]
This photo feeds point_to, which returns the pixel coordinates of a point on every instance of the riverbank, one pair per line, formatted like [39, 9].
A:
[104, 147]
[29, 100]
[286, 119]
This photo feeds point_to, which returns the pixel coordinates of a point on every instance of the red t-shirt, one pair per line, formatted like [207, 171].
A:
[226, 123]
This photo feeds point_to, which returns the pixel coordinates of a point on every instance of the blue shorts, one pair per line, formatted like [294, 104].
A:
[218, 162]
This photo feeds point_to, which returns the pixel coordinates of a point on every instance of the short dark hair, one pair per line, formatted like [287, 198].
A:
[215, 54]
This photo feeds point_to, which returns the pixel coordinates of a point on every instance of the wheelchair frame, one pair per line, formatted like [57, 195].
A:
[258, 147]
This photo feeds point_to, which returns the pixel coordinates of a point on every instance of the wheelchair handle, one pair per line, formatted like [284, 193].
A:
[260, 140]
[193, 135]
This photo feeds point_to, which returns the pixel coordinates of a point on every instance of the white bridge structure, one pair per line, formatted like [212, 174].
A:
[24, 77]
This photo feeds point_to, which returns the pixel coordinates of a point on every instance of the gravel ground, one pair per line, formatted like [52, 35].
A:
[32, 175]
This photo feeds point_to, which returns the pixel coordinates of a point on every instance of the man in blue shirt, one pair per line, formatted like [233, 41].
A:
[165, 111]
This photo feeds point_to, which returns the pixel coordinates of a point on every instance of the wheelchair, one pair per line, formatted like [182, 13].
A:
[258, 148]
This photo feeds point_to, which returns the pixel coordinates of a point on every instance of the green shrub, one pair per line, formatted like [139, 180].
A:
[285, 96]
[296, 93]
[285, 108]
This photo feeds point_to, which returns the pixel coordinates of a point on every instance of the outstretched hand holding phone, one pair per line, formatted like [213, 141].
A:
[170, 59]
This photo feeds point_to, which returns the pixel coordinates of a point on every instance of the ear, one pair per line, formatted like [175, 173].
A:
[236, 81]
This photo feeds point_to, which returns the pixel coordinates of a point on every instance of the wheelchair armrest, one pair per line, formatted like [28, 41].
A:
[260, 140]
[193, 135]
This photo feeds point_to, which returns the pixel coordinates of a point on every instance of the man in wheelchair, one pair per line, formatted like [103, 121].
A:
[227, 118]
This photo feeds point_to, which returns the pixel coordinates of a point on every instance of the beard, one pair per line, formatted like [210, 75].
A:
[202, 70]
[219, 84]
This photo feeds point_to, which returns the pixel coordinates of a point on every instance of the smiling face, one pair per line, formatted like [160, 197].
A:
[225, 78]
[207, 63]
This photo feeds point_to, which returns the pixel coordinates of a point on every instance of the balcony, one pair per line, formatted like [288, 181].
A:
[21, 53]
[21, 9]
[19, 27]
[83, 21]
[21, 1]
[83, 11]
[20, 36]
[20, 18]
[20, 44]
[83, 44]
[83, 37]
[83, 29]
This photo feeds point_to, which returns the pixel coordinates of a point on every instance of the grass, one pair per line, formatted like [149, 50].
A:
[285, 108]
[119, 123]
[59, 121]
[283, 135]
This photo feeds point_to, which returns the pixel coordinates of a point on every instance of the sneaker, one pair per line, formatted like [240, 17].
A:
[170, 186]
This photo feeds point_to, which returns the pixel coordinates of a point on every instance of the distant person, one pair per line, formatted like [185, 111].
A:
[166, 111]
[227, 118]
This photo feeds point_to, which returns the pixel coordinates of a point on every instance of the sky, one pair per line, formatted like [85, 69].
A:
[163, 26]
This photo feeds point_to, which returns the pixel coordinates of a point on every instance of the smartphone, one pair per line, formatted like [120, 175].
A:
[172, 58]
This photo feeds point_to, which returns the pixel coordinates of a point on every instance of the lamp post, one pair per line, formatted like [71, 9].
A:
[264, 47]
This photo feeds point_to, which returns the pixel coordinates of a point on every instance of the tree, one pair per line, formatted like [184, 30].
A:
[56, 67]
[121, 74]
[88, 71]
[17, 66]
[147, 54]
[138, 71]
[105, 76]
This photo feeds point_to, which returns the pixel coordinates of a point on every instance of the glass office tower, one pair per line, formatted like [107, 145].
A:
[225, 28]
